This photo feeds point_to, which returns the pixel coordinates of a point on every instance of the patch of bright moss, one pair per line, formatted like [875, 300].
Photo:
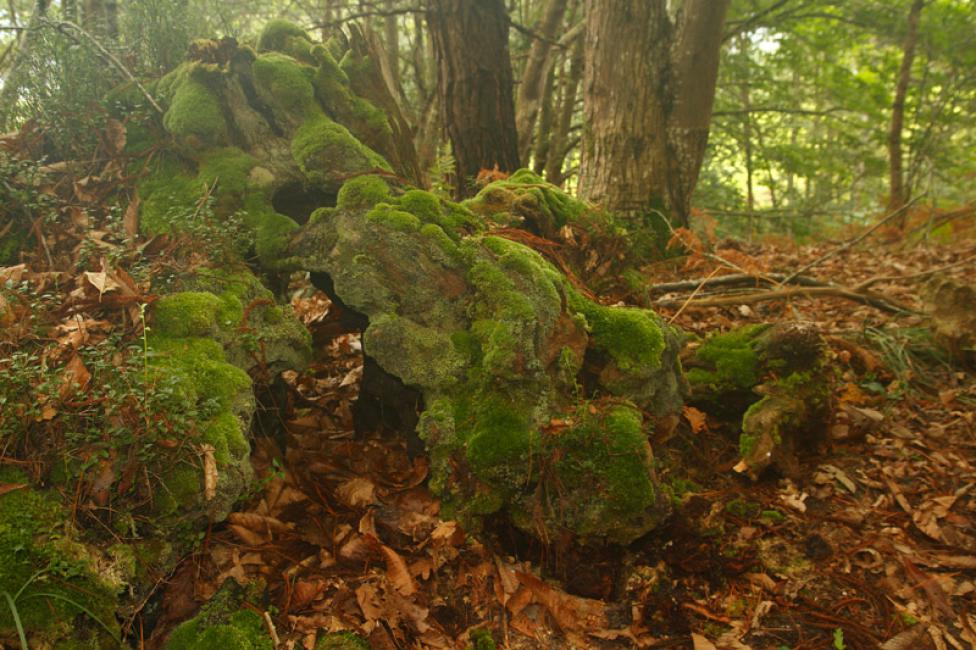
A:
[481, 640]
[283, 82]
[218, 629]
[341, 641]
[632, 337]
[742, 508]
[734, 360]
[389, 216]
[363, 192]
[325, 151]
[230, 169]
[195, 112]
[602, 488]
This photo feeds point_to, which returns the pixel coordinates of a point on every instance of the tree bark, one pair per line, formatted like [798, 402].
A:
[898, 194]
[534, 78]
[474, 82]
[649, 88]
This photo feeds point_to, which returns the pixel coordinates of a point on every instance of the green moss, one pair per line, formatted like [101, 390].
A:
[225, 434]
[732, 359]
[283, 82]
[273, 233]
[481, 640]
[240, 630]
[341, 641]
[364, 192]
[326, 151]
[229, 168]
[180, 489]
[387, 215]
[188, 313]
[278, 34]
[436, 234]
[165, 193]
[633, 338]
[742, 508]
[500, 439]
[50, 575]
[772, 516]
[321, 214]
[195, 112]
[418, 355]
[603, 476]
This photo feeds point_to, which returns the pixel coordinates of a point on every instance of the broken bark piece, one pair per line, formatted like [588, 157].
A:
[785, 365]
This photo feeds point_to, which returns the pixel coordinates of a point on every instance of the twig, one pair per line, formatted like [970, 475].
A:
[65, 25]
[692, 296]
[843, 247]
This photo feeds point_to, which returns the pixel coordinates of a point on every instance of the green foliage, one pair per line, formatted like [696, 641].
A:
[48, 578]
[20, 203]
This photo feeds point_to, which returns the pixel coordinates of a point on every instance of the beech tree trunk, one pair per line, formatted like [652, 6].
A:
[474, 81]
[648, 89]
[898, 192]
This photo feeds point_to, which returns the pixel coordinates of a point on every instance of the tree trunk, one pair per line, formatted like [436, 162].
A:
[14, 79]
[898, 195]
[474, 82]
[392, 44]
[559, 144]
[648, 92]
[543, 139]
[534, 78]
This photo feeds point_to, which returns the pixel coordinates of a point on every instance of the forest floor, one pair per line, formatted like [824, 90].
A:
[872, 545]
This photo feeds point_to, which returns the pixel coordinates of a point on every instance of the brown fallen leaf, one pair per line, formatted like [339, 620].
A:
[397, 572]
[571, 613]
[357, 492]
[695, 418]
[75, 377]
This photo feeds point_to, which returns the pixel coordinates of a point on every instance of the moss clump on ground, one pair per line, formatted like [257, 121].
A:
[341, 641]
[772, 377]
[51, 577]
[223, 623]
[729, 361]
[601, 472]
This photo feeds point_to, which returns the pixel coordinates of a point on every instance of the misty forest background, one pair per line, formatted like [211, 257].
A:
[825, 112]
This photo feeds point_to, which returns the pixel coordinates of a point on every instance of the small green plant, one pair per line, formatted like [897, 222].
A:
[839, 640]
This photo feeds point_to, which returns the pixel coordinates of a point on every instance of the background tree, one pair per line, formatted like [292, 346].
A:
[648, 91]
[474, 80]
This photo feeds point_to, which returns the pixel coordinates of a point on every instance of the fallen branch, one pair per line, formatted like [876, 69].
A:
[877, 302]
[735, 280]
